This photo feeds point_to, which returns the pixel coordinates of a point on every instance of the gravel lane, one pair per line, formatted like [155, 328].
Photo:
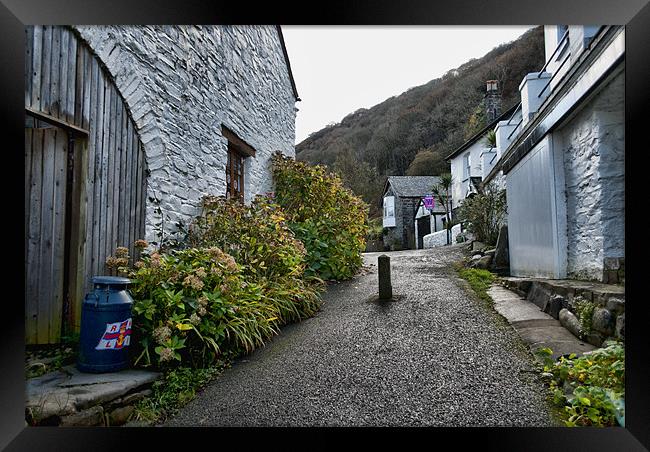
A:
[436, 357]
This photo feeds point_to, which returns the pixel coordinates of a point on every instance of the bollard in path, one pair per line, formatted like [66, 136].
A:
[385, 286]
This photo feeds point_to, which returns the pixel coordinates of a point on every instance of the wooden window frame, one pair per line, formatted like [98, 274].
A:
[238, 151]
[235, 159]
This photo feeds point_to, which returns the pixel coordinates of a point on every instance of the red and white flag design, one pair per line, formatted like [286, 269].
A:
[116, 336]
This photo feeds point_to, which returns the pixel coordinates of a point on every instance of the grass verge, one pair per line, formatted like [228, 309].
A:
[479, 280]
[170, 393]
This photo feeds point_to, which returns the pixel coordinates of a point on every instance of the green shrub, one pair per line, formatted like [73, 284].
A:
[375, 229]
[589, 389]
[174, 390]
[328, 218]
[259, 239]
[190, 303]
[199, 302]
[484, 213]
[257, 236]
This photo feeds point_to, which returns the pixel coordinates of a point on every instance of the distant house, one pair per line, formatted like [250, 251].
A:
[401, 200]
[563, 163]
[127, 127]
[428, 221]
[475, 158]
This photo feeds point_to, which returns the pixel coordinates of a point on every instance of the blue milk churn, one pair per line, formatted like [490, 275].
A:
[105, 326]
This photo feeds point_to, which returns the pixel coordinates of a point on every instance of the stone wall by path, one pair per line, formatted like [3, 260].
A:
[439, 238]
[593, 312]
[181, 85]
[594, 161]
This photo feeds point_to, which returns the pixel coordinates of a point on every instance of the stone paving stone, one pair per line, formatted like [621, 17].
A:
[67, 391]
[535, 327]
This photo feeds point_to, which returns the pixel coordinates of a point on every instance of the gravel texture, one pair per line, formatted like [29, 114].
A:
[438, 356]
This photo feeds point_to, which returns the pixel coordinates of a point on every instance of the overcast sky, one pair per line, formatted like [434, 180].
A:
[339, 69]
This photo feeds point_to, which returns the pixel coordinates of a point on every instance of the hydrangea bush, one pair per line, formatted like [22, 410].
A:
[328, 218]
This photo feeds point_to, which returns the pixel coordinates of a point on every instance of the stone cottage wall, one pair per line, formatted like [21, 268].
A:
[181, 84]
[393, 235]
[409, 207]
[594, 162]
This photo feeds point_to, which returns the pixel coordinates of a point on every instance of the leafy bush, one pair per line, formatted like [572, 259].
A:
[375, 229]
[200, 302]
[484, 213]
[590, 389]
[259, 239]
[328, 218]
[257, 236]
[190, 303]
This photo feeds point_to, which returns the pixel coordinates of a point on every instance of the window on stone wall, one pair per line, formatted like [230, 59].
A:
[234, 174]
[238, 152]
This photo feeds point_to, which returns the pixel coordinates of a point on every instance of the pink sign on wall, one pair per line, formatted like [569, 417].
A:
[428, 202]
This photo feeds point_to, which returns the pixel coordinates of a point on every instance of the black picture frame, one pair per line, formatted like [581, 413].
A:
[635, 14]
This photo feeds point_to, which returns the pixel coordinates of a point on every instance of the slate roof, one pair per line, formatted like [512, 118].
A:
[411, 186]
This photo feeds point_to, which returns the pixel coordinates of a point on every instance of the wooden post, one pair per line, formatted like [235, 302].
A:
[385, 286]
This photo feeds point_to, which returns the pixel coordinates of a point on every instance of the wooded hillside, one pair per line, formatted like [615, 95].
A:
[412, 133]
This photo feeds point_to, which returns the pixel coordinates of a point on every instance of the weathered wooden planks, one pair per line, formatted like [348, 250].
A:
[65, 80]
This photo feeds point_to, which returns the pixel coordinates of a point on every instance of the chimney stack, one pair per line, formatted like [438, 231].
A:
[492, 101]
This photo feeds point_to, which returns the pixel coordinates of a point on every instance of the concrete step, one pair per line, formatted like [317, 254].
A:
[536, 328]
[70, 397]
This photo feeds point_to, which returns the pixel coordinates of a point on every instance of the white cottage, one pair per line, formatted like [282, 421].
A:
[475, 158]
[564, 163]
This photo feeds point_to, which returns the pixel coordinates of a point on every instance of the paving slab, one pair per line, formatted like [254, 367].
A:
[535, 327]
[68, 391]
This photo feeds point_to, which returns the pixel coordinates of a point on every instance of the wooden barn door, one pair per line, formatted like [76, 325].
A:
[46, 163]
[85, 179]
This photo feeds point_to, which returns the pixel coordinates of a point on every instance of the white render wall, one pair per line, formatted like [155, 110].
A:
[532, 225]
[181, 84]
[439, 238]
[460, 184]
[594, 171]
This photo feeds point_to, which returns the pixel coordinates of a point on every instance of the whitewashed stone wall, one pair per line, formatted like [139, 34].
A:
[439, 238]
[181, 84]
[594, 162]
[435, 239]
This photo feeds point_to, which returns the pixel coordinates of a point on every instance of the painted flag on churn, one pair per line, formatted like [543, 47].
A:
[117, 336]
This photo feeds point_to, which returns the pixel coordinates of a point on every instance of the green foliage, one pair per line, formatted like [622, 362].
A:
[484, 213]
[375, 229]
[194, 304]
[589, 389]
[328, 218]
[476, 121]
[427, 162]
[585, 311]
[478, 279]
[176, 389]
[441, 192]
[360, 177]
[257, 236]
[491, 138]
